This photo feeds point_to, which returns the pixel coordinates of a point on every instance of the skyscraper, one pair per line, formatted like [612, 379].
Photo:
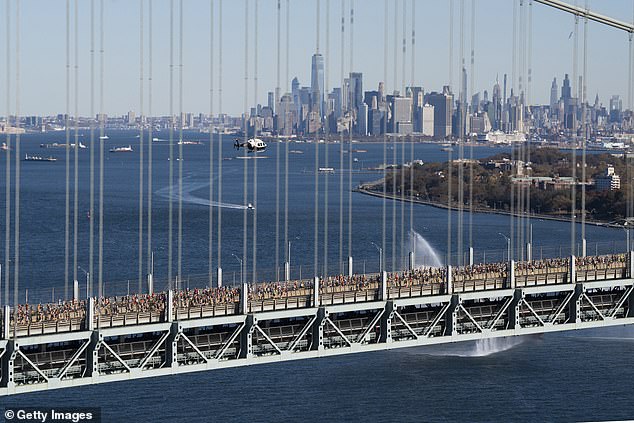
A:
[442, 103]
[356, 90]
[553, 96]
[317, 84]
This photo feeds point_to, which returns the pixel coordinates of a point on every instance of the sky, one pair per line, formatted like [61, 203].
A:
[42, 56]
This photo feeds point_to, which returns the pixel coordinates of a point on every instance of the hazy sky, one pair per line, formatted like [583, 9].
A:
[43, 50]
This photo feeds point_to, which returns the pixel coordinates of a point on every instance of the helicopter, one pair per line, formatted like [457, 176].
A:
[252, 145]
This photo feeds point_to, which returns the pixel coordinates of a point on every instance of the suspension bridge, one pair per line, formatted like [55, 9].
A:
[94, 337]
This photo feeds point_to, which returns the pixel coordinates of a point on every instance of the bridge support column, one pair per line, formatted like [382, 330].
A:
[90, 314]
[470, 256]
[246, 337]
[383, 293]
[451, 316]
[575, 304]
[511, 275]
[448, 281]
[318, 330]
[529, 251]
[583, 247]
[8, 360]
[76, 290]
[412, 263]
[630, 262]
[386, 322]
[219, 277]
[244, 299]
[92, 354]
[315, 299]
[171, 345]
[350, 268]
[169, 307]
[630, 305]
[150, 283]
[287, 271]
[6, 322]
[514, 309]
[572, 271]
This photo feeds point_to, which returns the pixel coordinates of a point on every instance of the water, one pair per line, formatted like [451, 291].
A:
[557, 377]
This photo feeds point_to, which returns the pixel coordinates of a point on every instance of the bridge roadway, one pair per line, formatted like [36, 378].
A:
[94, 341]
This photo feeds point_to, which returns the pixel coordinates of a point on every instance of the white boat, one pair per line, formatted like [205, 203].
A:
[104, 137]
[127, 149]
[326, 170]
[28, 158]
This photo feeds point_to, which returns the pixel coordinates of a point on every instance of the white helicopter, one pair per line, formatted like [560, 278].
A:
[252, 145]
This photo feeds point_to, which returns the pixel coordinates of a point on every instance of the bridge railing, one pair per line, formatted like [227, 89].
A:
[137, 309]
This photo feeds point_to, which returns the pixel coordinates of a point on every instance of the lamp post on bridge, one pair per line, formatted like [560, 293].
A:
[241, 268]
[88, 290]
[508, 245]
[380, 250]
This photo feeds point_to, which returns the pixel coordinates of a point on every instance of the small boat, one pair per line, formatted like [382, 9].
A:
[250, 206]
[189, 143]
[447, 149]
[296, 152]
[127, 149]
[4, 147]
[104, 137]
[355, 160]
[28, 158]
[326, 170]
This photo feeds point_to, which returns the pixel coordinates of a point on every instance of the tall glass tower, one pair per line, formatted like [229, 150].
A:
[317, 84]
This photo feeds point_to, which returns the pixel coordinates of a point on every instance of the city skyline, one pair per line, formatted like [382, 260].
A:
[44, 93]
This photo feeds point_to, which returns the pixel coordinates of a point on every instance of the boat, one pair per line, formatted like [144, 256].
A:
[28, 158]
[104, 137]
[250, 206]
[4, 147]
[189, 143]
[127, 149]
[448, 149]
[326, 170]
[296, 152]
[355, 160]
[62, 145]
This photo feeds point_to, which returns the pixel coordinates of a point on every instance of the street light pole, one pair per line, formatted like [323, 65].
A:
[241, 268]
[380, 250]
[508, 245]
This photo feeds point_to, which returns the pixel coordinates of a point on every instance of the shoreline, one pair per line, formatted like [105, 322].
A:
[363, 190]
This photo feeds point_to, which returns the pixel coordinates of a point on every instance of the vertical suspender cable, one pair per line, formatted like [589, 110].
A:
[245, 122]
[170, 217]
[392, 169]
[353, 117]
[277, 170]
[255, 135]
[584, 140]
[7, 198]
[141, 146]
[402, 166]
[286, 252]
[211, 139]
[461, 130]
[449, 161]
[150, 139]
[513, 150]
[529, 82]
[411, 169]
[220, 134]
[67, 162]
[473, 91]
[76, 149]
[16, 264]
[102, 123]
[327, 131]
[573, 125]
[385, 108]
[180, 146]
[316, 214]
[343, 26]
[91, 209]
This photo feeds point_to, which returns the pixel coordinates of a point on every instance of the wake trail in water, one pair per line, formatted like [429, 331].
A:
[479, 348]
[190, 198]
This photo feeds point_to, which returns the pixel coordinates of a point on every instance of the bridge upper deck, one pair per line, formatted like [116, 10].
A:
[69, 316]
